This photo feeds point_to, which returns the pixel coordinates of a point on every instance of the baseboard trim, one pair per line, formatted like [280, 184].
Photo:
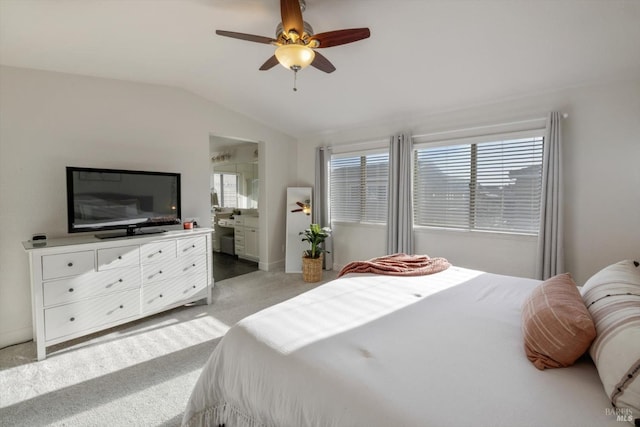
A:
[271, 266]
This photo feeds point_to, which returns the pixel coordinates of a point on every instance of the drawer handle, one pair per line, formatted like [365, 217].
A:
[70, 264]
[151, 276]
[160, 295]
[194, 286]
[111, 284]
[70, 289]
[154, 254]
[119, 256]
[121, 306]
[72, 319]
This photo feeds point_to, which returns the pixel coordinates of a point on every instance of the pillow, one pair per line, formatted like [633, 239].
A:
[612, 297]
[556, 325]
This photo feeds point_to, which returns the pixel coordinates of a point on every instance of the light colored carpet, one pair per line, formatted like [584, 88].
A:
[139, 374]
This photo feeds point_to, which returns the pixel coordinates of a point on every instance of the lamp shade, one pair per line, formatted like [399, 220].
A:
[295, 56]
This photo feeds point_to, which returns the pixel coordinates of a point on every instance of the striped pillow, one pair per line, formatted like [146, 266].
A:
[556, 325]
[613, 298]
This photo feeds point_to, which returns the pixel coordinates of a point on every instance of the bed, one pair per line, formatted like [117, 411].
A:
[444, 349]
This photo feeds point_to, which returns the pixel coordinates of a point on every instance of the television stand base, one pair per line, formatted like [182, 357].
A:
[119, 235]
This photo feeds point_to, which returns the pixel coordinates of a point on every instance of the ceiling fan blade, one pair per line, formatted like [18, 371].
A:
[271, 62]
[338, 37]
[291, 16]
[322, 63]
[248, 37]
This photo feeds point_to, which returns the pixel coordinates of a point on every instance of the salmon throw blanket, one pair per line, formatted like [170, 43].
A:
[398, 265]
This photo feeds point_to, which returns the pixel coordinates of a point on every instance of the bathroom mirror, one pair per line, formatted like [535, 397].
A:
[234, 173]
[235, 185]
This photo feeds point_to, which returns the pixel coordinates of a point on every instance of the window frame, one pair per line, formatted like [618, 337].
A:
[473, 142]
[221, 193]
[363, 217]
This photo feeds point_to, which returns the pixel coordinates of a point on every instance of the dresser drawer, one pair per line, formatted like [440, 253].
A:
[79, 316]
[67, 264]
[168, 292]
[158, 252]
[177, 268]
[194, 245]
[90, 285]
[125, 256]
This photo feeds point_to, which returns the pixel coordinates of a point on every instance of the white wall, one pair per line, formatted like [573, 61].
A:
[279, 164]
[601, 171]
[52, 120]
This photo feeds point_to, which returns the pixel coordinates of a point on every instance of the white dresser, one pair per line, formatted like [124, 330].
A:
[81, 285]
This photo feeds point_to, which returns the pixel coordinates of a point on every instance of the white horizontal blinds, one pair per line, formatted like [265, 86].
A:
[217, 187]
[492, 186]
[508, 186]
[359, 187]
[226, 186]
[376, 182]
[346, 192]
[442, 178]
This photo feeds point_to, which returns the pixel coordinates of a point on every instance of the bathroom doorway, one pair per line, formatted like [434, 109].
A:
[235, 189]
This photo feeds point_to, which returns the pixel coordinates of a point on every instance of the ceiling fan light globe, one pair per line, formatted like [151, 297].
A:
[295, 56]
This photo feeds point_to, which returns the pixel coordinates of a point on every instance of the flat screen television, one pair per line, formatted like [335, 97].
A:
[114, 199]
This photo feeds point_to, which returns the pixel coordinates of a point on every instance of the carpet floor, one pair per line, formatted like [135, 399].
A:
[138, 374]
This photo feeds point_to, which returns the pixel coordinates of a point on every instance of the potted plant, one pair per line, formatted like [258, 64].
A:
[312, 257]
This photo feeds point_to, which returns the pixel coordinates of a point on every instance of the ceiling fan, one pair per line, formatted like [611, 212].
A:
[303, 207]
[296, 42]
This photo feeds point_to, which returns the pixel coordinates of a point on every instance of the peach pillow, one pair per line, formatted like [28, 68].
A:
[556, 324]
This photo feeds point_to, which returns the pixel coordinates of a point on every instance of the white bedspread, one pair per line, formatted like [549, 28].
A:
[367, 350]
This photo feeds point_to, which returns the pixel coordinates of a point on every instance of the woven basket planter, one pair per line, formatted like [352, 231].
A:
[312, 269]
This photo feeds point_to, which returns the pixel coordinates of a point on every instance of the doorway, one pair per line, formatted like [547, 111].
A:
[234, 187]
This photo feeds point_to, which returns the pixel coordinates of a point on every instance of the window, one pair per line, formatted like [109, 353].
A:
[359, 188]
[225, 185]
[493, 186]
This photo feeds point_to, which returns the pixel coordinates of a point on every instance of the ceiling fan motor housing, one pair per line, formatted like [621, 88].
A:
[283, 38]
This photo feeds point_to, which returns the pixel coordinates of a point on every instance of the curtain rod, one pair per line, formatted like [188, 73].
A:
[355, 145]
[539, 119]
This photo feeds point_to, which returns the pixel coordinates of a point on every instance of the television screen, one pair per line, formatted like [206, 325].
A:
[108, 199]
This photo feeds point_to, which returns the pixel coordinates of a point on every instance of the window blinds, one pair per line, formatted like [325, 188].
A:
[359, 187]
[226, 186]
[493, 186]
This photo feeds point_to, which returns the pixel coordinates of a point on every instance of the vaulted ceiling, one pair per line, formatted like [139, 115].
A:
[423, 56]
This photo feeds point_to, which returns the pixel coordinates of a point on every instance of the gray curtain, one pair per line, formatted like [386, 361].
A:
[400, 213]
[320, 203]
[550, 259]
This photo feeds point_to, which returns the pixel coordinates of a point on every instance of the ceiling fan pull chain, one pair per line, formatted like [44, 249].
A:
[295, 79]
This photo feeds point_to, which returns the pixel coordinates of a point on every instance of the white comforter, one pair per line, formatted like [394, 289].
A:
[368, 350]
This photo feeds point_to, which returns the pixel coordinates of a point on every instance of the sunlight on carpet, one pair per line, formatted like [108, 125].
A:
[109, 354]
